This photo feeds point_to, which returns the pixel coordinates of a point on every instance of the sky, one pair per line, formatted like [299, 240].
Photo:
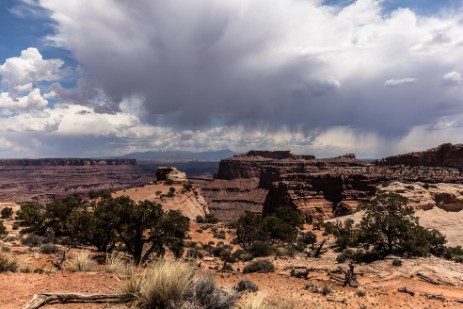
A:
[86, 78]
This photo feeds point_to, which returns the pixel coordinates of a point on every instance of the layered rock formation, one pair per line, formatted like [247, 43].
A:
[319, 188]
[443, 155]
[44, 179]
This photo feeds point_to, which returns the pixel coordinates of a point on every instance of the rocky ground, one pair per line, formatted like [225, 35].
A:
[379, 281]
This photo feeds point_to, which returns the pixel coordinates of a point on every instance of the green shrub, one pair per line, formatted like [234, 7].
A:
[6, 212]
[211, 218]
[219, 235]
[199, 219]
[261, 249]
[261, 266]
[194, 253]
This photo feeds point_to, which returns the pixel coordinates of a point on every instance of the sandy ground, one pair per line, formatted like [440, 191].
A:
[380, 280]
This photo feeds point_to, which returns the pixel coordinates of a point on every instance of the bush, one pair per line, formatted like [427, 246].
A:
[219, 235]
[326, 290]
[162, 284]
[194, 253]
[7, 263]
[200, 219]
[32, 240]
[246, 285]
[260, 266]
[308, 238]
[82, 262]
[203, 293]
[115, 264]
[6, 212]
[15, 226]
[345, 255]
[211, 218]
[260, 248]
[49, 249]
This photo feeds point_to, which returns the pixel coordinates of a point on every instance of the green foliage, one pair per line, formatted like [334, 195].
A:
[261, 248]
[143, 229]
[278, 229]
[260, 266]
[99, 194]
[388, 227]
[199, 219]
[6, 212]
[249, 229]
[31, 215]
[211, 218]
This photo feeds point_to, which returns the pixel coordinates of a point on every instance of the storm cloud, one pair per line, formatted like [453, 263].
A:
[292, 63]
[286, 73]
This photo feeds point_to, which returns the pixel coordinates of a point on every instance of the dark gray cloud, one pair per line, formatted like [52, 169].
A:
[247, 73]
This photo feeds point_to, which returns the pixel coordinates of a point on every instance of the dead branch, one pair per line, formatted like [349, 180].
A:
[60, 262]
[433, 296]
[42, 299]
[316, 254]
[427, 279]
[406, 290]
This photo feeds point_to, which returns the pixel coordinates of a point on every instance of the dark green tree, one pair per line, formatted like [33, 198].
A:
[7, 212]
[145, 229]
[391, 227]
[31, 215]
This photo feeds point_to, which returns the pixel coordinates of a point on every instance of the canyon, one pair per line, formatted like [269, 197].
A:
[42, 180]
[262, 181]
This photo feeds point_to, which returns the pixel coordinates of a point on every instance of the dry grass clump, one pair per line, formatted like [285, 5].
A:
[82, 262]
[116, 265]
[204, 293]
[7, 262]
[165, 284]
[161, 285]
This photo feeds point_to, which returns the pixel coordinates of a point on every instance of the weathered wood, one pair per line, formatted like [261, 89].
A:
[433, 296]
[427, 279]
[319, 249]
[406, 290]
[42, 299]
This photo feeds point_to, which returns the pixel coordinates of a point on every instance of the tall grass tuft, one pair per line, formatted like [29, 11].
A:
[82, 262]
[161, 285]
[116, 265]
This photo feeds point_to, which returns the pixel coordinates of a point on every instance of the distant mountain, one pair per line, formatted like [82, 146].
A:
[172, 156]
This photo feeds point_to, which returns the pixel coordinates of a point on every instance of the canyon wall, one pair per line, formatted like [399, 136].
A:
[44, 179]
[262, 181]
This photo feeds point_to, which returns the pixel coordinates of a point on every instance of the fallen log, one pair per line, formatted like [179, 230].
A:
[42, 299]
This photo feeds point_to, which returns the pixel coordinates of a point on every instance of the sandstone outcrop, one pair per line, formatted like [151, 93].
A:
[262, 181]
[170, 174]
[443, 155]
[44, 179]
